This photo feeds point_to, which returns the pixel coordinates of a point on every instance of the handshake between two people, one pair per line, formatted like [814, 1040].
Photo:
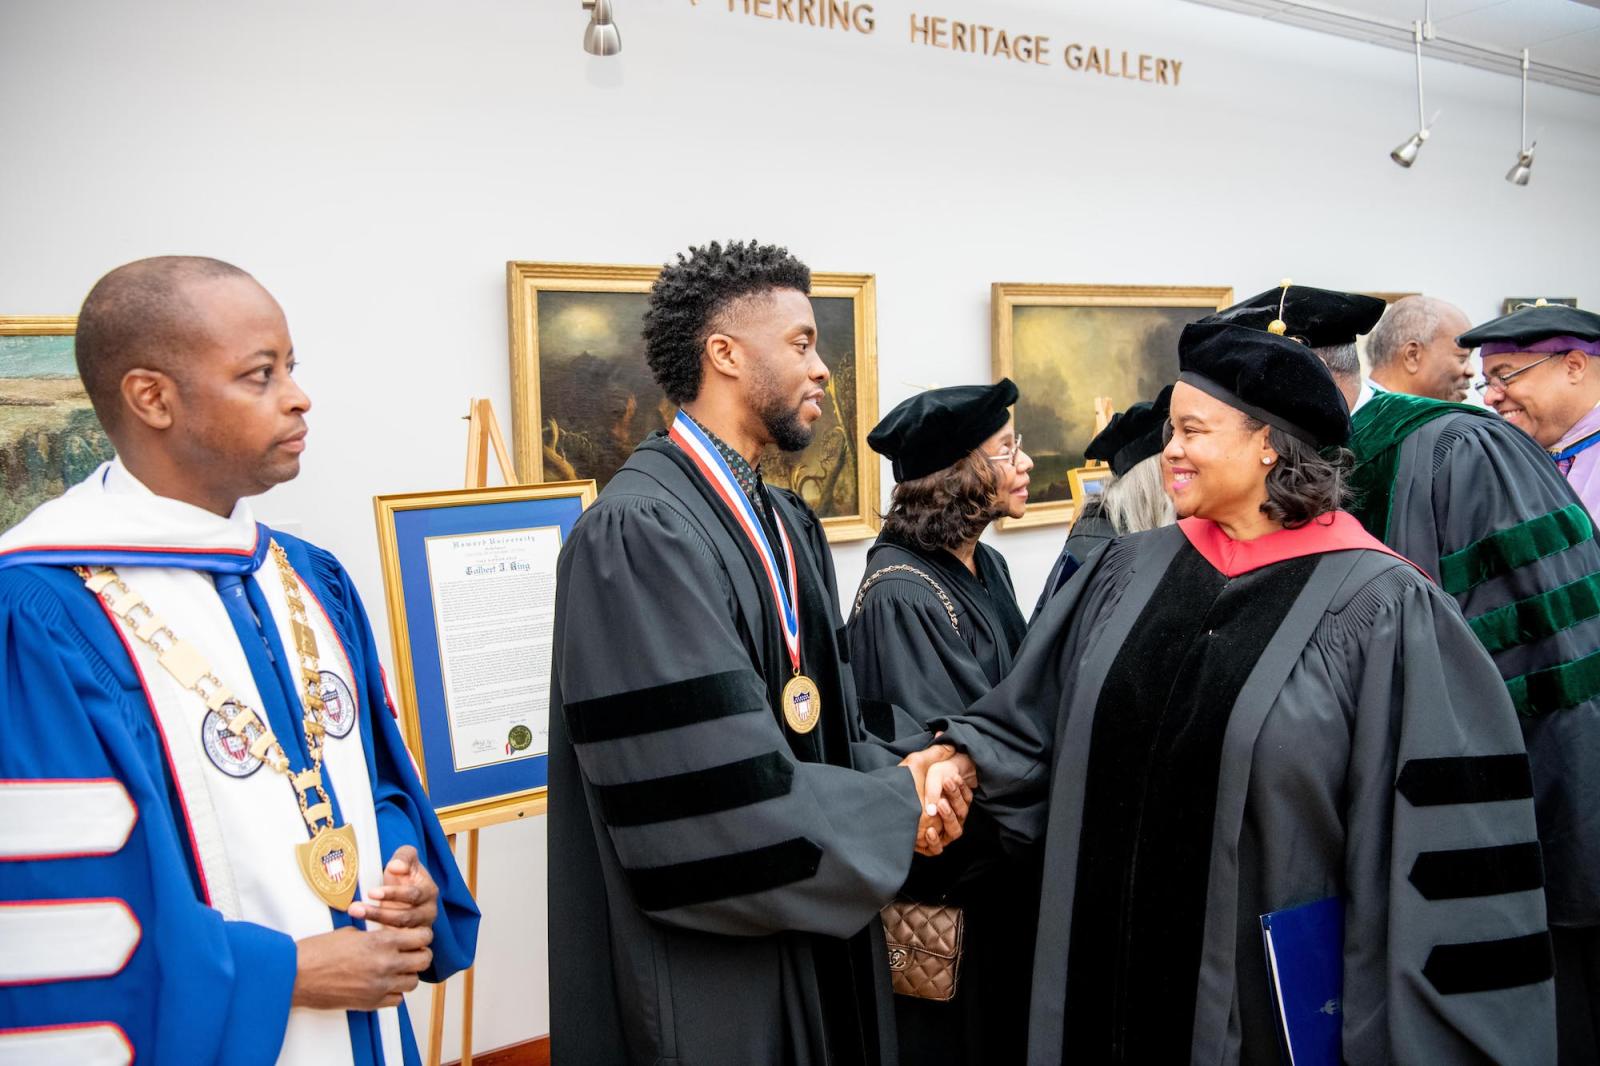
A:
[945, 779]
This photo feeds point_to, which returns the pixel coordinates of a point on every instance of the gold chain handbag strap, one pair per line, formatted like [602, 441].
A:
[189, 668]
[861, 594]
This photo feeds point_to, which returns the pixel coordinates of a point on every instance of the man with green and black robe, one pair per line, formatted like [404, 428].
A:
[1476, 503]
[723, 832]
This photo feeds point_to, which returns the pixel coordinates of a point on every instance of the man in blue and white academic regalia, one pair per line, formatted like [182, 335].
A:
[213, 845]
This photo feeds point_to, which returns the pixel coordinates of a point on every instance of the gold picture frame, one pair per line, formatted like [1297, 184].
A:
[1077, 343]
[1086, 483]
[837, 475]
[50, 438]
[492, 792]
[1511, 303]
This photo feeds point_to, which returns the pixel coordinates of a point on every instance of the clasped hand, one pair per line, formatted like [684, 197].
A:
[355, 969]
[945, 780]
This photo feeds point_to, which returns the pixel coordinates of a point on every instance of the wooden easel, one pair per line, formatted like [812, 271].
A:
[483, 431]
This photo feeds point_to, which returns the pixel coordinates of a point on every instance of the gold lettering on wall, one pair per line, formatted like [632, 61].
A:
[972, 38]
[936, 31]
[847, 15]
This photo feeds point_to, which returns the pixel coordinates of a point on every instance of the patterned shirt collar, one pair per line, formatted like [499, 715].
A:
[747, 477]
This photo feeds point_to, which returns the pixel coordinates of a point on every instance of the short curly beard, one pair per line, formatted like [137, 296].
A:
[783, 423]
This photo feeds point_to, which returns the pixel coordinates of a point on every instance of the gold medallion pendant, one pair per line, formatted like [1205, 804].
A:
[329, 864]
[802, 704]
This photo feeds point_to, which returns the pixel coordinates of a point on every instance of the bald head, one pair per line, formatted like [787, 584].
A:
[1413, 349]
[142, 315]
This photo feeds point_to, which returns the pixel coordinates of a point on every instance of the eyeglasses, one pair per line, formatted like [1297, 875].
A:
[1500, 381]
[1009, 456]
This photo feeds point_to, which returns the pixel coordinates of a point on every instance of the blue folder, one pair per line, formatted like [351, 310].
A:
[1305, 965]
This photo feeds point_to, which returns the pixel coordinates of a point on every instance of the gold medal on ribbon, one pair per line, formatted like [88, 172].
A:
[802, 704]
[329, 864]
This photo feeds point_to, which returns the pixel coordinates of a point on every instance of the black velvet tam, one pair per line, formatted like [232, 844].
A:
[1273, 379]
[1132, 436]
[934, 429]
[1529, 325]
[1320, 317]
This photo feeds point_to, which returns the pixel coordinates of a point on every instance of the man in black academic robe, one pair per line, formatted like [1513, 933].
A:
[716, 865]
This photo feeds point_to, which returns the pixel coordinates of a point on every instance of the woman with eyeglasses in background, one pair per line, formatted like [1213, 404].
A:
[936, 625]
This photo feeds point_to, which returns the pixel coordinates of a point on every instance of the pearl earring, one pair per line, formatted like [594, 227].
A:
[1266, 460]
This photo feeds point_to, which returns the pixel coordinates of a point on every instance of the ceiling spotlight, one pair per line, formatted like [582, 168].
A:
[600, 37]
[1406, 154]
[1519, 173]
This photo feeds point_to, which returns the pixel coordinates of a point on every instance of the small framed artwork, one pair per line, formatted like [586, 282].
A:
[50, 438]
[1067, 345]
[470, 580]
[1511, 303]
[582, 395]
[1087, 483]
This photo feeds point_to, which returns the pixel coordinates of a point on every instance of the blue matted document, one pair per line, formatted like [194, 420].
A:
[1305, 963]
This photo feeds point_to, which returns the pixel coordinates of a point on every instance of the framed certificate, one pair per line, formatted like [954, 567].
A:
[470, 580]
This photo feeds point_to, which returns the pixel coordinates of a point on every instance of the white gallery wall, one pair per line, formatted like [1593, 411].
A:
[376, 164]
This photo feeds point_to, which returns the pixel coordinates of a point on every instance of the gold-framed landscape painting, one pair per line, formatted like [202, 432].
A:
[582, 395]
[1067, 345]
[49, 437]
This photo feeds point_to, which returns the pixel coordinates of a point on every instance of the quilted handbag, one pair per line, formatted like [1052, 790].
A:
[924, 948]
[924, 939]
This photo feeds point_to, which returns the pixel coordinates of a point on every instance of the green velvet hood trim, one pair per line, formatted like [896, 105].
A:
[1530, 620]
[1557, 688]
[1507, 549]
[1377, 431]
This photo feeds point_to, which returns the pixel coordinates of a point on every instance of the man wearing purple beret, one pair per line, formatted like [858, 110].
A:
[1541, 368]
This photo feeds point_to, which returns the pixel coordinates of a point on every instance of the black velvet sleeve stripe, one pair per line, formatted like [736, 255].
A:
[1465, 779]
[716, 788]
[1490, 965]
[660, 707]
[1471, 872]
[661, 888]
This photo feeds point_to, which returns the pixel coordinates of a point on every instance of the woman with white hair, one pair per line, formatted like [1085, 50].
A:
[1133, 501]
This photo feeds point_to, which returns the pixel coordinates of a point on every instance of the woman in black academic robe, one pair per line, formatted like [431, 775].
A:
[1256, 742]
[935, 626]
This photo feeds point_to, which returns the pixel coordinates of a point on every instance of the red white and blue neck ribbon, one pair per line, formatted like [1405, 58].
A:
[686, 434]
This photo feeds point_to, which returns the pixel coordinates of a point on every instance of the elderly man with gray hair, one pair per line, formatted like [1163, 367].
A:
[1413, 349]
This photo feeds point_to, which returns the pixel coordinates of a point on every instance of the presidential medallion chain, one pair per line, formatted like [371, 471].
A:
[328, 861]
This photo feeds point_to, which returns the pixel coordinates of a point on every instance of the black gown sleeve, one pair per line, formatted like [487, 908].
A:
[716, 826]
